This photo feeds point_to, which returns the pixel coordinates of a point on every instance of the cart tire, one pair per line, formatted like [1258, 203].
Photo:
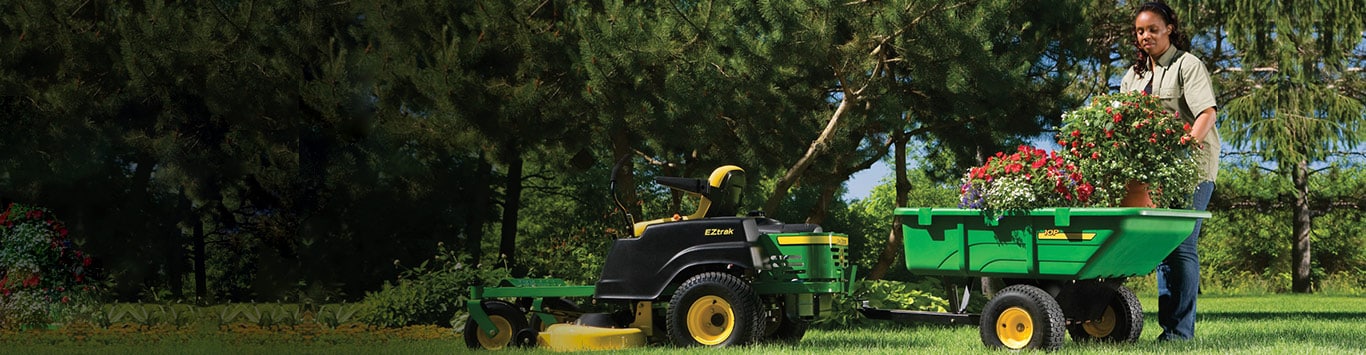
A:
[1022, 317]
[1121, 322]
[507, 318]
[780, 328]
[556, 304]
[715, 309]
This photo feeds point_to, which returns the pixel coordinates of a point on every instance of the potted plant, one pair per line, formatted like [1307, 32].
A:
[1128, 145]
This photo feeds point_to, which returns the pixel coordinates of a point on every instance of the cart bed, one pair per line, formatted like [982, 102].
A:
[1049, 243]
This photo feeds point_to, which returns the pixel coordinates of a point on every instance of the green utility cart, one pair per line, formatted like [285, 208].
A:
[1053, 268]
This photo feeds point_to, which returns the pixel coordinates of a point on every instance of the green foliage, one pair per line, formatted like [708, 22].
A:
[431, 293]
[870, 219]
[883, 294]
[1245, 246]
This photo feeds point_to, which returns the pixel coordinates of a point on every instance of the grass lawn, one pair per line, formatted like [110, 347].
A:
[1277, 324]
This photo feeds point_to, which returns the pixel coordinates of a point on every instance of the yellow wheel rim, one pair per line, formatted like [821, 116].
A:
[710, 320]
[497, 341]
[1103, 327]
[1015, 328]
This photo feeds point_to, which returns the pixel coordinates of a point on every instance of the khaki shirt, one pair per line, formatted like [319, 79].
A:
[1188, 91]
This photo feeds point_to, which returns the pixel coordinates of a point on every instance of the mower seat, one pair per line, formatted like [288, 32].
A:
[773, 226]
[720, 195]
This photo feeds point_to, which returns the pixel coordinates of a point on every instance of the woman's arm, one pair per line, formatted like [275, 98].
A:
[1204, 121]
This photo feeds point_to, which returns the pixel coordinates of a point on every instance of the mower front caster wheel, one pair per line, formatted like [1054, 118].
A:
[505, 317]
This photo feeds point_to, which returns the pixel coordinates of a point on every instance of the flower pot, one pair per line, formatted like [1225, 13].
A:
[1136, 195]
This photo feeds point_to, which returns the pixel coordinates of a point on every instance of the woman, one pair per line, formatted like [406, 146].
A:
[1165, 69]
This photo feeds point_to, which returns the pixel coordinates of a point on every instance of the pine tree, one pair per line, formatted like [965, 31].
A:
[1290, 92]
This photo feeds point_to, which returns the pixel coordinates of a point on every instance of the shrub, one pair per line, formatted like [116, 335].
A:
[431, 293]
[43, 278]
[886, 295]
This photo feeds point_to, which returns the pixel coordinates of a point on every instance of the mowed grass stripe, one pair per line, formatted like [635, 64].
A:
[1276, 324]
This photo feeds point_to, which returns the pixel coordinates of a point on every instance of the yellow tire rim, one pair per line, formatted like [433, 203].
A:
[1103, 327]
[499, 341]
[1015, 328]
[710, 320]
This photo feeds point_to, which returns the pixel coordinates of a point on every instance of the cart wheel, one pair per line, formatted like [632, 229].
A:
[554, 304]
[1022, 317]
[1121, 322]
[715, 309]
[506, 317]
[778, 327]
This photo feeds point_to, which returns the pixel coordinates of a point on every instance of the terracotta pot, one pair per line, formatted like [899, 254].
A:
[1136, 195]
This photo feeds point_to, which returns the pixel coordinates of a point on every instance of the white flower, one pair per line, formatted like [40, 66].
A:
[1114, 104]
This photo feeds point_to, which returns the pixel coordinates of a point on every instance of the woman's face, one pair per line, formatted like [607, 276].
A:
[1154, 34]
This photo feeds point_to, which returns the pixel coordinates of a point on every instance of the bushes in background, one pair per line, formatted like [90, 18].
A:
[44, 278]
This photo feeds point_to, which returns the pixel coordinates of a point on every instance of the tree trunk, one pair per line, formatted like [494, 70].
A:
[820, 211]
[891, 253]
[201, 274]
[1301, 250]
[817, 146]
[626, 181]
[508, 245]
[478, 212]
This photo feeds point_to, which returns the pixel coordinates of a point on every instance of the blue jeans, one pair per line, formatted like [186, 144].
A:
[1178, 278]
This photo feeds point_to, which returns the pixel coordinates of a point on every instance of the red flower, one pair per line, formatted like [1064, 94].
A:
[1084, 191]
[1039, 163]
[31, 281]
[1095, 155]
[1109, 134]
[1186, 127]
[1076, 133]
[1118, 117]
[1152, 140]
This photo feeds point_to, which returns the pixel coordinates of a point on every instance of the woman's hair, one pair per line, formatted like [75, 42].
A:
[1177, 37]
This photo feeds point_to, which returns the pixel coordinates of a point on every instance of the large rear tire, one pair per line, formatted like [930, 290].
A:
[507, 318]
[1122, 320]
[1022, 317]
[715, 309]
